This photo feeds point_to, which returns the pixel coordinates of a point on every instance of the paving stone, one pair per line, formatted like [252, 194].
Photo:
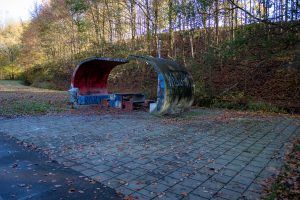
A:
[243, 180]
[158, 173]
[125, 159]
[168, 196]
[193, 197]
[208, 171]
[228, 194]
[217, 198]
[68, 163]
[102, 176]
[239, 162]
[222, 161]
[247, 155]
[148, 193]
[137, 195]
[251, 196]
[234, 167]
[101, 168]
[200, 177]
[87, 165]
[221, 178]
[258, 164]
[261, 159]
[167, 180]
[269, 172]
[179, 189]
[253, 168]
[215, 166]
[126, 176]
[179, 175]
[228, 172]
[114, 183]
[149, 166]
[79, 168]
[204, 192]
[255, 187]
[212, 184]
[191, 183]
[138, 171]
[120, 169]
[147, 179]
[89, 172]
[248, 174]
[129, 146]
[186, 169]
[132, 165]
[156, 187]
[94, 161]
[237, 187]
[124, 190]
[136, 185]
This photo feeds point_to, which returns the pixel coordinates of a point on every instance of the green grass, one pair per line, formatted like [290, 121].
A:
[275, 188]
[249, 106]
[266, 107]
[27, 108]
[16, 99]
[12, 82]
[297, 147]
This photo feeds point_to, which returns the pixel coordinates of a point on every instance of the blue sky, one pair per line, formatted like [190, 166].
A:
[14, 10]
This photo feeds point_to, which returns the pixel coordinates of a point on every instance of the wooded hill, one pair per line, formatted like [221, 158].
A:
[241, 53]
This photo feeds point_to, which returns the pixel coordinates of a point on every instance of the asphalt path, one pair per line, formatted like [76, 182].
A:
[26, 173]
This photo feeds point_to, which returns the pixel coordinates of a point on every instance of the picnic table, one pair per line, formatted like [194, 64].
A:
[127, 100]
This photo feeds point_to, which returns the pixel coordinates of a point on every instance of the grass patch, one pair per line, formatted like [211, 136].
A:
[297, 147]
[27, 108]
[247, 106]
[274, 188]
[17, 99]
[11, 82]
[194, 114]
[266, 107]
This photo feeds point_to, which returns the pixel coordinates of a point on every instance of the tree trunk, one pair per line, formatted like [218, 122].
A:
[232, 22]
[133, 19]
[171, 36]
[155, 9]
[217, 20]
[148, 25]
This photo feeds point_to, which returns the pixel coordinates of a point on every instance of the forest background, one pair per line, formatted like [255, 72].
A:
[242, 54]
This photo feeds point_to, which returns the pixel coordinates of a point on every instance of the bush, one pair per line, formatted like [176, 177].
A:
[51, 75]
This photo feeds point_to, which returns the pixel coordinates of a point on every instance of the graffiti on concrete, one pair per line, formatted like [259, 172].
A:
[179, 79]
[174, 92]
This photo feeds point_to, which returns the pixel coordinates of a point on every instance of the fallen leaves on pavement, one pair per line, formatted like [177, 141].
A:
[287, 184]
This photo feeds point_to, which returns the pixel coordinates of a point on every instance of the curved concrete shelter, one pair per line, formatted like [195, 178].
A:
[175, 85]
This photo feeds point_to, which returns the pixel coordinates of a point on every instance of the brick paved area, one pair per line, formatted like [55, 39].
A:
[213, 156]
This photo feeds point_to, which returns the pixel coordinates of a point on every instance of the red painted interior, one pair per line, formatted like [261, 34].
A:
[91, 76]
